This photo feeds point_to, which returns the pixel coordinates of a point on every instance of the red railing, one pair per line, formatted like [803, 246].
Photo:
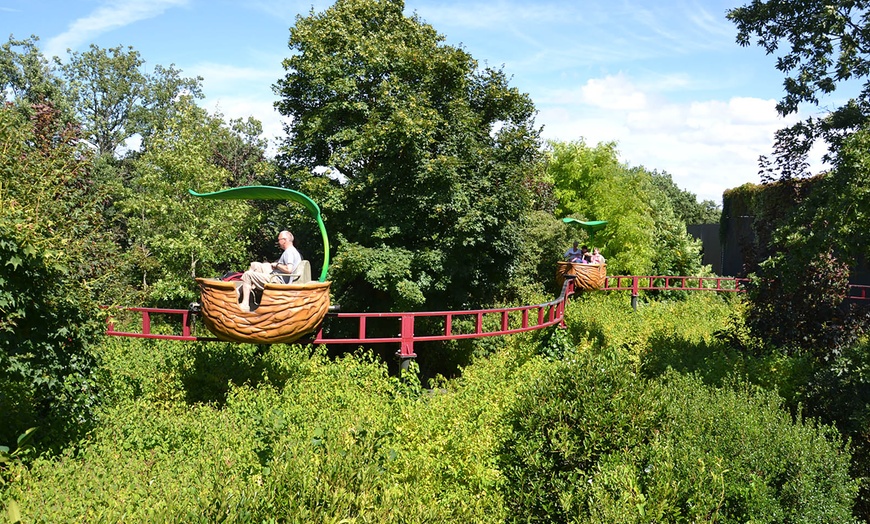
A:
[857, 292]
[671, 283]
[636, 284]
[186, 319]
[509, 320]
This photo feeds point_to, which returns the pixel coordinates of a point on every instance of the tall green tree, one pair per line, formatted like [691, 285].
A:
[591, 184]
[436, 153]
[115, 98]
[54, 257]
[174, 237]
[643, 235]
[28, 78]
[825, 45]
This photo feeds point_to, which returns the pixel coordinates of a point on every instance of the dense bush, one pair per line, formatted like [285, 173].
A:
[594, 441]
[839, 393]
[796, 304]
[340, 440]
[47, 332]
[239, 433]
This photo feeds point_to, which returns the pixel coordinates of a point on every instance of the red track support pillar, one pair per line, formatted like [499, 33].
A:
[185, 324]
[406, 352]
[634, 292]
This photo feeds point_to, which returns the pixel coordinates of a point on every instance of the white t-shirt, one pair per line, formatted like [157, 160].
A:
[290, 258]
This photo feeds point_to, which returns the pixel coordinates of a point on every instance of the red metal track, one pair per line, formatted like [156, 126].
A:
[671, 283]
[508, 320]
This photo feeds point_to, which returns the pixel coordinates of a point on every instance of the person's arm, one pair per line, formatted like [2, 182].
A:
[281, 268]
[286, 268]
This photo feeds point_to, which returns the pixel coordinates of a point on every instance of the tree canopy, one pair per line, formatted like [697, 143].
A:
[115, 98]
[436, 153]
[820, 46]
[28, 77]
[175, 237]
[827, 46]
[643, 234]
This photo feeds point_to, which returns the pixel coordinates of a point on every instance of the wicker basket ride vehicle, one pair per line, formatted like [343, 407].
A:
[587, 277]
[286, 312]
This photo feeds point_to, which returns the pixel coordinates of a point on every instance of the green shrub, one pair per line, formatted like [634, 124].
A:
[338, 440]
[840, 394]
[594, 441]
[208, 432]
[48, 326]
[797, 304]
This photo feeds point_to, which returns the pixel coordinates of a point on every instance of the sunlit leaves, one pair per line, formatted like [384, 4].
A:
[186, 237]
[114, 98]
[820, 46]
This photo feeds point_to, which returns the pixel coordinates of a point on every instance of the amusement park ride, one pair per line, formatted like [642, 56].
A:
[300, 312]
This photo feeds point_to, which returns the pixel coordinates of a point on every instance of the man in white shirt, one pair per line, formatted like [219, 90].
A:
[260, 273]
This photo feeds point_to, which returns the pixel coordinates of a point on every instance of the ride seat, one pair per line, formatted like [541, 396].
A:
[300, 275]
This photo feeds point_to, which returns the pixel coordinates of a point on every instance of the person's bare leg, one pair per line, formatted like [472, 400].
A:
[245, 305]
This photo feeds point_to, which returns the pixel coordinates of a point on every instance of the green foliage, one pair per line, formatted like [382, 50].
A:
[591, 184]
[543, 245]
[241, 433]
[54, 252]
[11, 464]
[437, 154]
[839, 394]
[593, 441]
[797, 297]
[48, 325]
[175, 237]
[837, 209]
[644, 235]
[685, 203]
[15, 457]
[341, 440]
[702, 334]
[768, 208]
[797, 305]
[27, 76]
[556, 344]
[824, 47]
[114, 99]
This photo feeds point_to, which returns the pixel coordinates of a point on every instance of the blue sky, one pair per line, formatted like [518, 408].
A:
[664, 79]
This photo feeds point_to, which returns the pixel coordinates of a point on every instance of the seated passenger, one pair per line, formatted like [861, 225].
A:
[597, 257]
[260, 273]
[573, 253]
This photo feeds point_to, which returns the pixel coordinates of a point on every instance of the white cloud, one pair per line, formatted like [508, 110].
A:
[110, 16]
[707, 146]
[613, 92]
[227, 78]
